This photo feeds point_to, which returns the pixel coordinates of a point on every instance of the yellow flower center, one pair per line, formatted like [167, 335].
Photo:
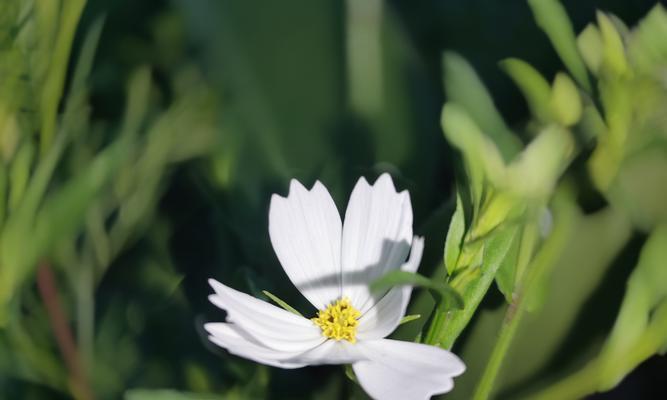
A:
[339, 320]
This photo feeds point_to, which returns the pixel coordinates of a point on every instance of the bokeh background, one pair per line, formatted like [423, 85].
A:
[328, 90]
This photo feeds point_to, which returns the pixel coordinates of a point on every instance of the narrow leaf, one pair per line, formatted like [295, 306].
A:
[565, 100]
[552, 18]
[589, 43]
[408, 318]
[281, 303]
[463, 87]
[533, 86]
[613, 56]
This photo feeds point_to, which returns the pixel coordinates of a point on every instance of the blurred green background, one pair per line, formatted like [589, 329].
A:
[240, 97]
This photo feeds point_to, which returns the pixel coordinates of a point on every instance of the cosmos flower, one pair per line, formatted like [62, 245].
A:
[332, 264]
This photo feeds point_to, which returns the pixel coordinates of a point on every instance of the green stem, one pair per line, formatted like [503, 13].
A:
[605, 371]
[510, 324]
[435, 326]
[576, 386]
[55, 80]
[472, 284]
[564, 211]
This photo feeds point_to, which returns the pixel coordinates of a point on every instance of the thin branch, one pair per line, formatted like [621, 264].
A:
[62, 332]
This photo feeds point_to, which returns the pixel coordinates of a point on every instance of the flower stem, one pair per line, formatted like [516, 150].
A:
[62, 332]
[526, 286]
[510, 324]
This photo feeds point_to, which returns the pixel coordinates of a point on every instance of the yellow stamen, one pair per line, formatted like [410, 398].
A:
[339, 320]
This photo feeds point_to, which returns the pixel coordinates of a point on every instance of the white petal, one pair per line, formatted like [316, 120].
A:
[405, 370]
[238, 342]
[271, 326]
[331, 352]
[305, 230]
[385, 315]
[376, 236]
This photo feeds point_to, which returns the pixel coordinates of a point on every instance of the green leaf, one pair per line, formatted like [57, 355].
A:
[349, 372]
[463, 87]
[408, 318]
[613, 56]
[647, 48]
[565, 100]
[533, 86]
[500, 205]
[281, 303]
[448, 298]
[534, 174]
[59, 218]
[66, 208]
[55, 79]
[19, 173]
[552, 18]
[505, 277]
[76, 111]
[483, 161]
[454, 239]
[589, 43]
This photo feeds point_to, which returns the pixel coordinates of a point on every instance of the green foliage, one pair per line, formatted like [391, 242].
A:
[619, 120]
[641, 321]
[565, 101]
[551, 16]
[473, 283]
[533, 86]
[80, 200]
[631, 96]
[638, 333]
[463, 87]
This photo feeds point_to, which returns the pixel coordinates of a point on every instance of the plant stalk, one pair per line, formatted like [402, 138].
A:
[62, 332]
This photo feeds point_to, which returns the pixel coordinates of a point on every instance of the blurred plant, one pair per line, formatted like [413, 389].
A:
[511, 219]
[627, 127]
[76, 193]
[502, 226]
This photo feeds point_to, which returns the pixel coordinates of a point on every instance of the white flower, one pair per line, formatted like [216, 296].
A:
[332, 265]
